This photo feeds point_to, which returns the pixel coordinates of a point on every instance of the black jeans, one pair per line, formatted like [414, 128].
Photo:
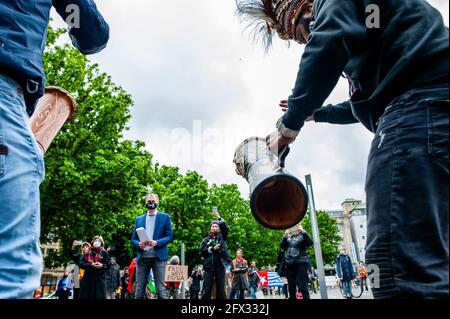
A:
[407, 197]
[297, 276]
[217, 276]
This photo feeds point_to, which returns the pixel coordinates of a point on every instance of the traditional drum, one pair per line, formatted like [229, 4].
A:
[278, 199]
[54, 109]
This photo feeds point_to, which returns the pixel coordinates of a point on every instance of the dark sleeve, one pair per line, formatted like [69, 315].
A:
[76, 258]
[339, 29]
[336, 114]
[168, 234]
[83, 264]
[105, 260]
[118, 277]
[92, 33]
[338, 267]
[224, 229]
[307, 241]
[204, 248]
[134, 237]
[284, 243]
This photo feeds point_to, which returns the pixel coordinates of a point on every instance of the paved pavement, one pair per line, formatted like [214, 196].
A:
[333, 293]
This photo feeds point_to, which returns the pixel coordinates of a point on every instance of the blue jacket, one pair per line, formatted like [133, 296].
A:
[344, 268]
[23, 32]
[163, 235]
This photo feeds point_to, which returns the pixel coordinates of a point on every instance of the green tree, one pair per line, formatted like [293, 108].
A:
[94, 177]
[329, 237]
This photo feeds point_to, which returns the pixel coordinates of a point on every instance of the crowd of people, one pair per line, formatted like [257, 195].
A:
[95, 273]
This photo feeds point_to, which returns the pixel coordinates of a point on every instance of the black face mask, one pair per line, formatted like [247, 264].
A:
[151, 205]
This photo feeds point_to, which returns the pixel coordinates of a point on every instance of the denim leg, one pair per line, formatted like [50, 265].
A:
[21, 173]
[253, 292]
[407, 198]
[347, 287]
[142, 271]
[159, 271]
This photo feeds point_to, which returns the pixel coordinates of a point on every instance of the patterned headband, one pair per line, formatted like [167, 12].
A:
[268, 15]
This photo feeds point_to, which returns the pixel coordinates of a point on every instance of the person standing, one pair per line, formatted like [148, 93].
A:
[112, 277]
[23, 30]
[63, 289]
[94, 263]
[216, 258]
[173, 288]
[253, 279]
[362, 272]
[345, 272]
[395, 56]
[196, 278]
[295, 245]
[153, 253]
[74, 275]
[239, 270]
[124, 279]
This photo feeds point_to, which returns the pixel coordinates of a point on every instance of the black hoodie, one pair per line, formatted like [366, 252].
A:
[409, 50]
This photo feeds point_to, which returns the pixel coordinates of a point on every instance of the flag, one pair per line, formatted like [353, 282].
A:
[263, 278]
[274, 280]
[151, 283]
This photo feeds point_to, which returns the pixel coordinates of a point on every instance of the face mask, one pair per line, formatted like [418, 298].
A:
[97, 244]
[151, 205]
[174, 262]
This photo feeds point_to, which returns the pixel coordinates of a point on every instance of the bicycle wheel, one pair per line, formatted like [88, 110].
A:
[357, 288]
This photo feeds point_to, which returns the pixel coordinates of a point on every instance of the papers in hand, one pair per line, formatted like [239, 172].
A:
[143, 237]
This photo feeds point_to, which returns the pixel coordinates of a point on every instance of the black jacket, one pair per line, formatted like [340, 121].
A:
[222, 256]
[409, 50]
[295, 248]
[211, 257]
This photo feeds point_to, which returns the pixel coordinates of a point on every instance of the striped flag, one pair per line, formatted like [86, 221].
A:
[274, 279]
[263, 278]
[151, 283]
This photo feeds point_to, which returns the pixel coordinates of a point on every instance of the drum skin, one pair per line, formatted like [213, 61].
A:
[54, 109]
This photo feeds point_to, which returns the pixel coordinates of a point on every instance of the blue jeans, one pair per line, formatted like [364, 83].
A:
[347, 288]
[253, 292]
[21, 173]
[143, 268]
[408, 197]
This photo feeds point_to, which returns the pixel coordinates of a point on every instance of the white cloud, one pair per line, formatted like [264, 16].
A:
[186, 61]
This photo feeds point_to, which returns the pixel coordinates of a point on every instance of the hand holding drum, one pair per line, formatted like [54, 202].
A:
[54, 109]
[278, 200]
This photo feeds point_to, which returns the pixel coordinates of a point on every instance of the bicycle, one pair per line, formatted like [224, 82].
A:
[357, 288]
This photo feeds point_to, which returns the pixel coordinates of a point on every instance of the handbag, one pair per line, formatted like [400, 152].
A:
[281, 268]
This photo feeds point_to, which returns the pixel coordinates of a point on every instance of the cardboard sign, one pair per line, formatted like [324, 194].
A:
[176, 273]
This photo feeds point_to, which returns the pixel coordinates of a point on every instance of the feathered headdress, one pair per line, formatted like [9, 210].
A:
[267, 16]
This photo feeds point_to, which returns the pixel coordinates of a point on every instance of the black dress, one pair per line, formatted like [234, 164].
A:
[93, 284]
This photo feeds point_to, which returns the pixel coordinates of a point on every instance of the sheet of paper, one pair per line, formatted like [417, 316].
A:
[143, 237]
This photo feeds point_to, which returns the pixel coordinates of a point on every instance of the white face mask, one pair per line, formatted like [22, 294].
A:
[97, 244]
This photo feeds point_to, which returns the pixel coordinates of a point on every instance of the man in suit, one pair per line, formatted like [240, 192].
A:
[153, 253]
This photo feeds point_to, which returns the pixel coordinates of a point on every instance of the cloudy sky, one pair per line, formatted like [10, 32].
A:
[201, 87]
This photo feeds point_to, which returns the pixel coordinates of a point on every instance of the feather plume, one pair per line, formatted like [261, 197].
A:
[260, 16]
